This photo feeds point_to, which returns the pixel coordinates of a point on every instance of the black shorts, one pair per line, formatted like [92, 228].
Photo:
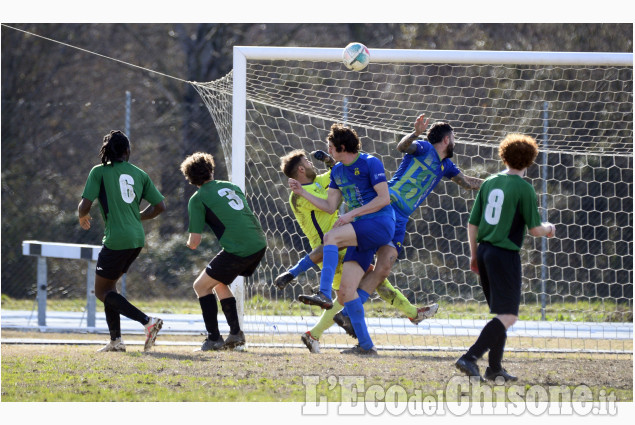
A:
[501, 278]
[225, 267]
[112, 263]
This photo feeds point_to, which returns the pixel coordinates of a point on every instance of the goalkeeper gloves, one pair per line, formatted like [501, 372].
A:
[324, 157]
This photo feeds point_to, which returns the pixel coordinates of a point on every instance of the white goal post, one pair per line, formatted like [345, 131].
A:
[577, 105]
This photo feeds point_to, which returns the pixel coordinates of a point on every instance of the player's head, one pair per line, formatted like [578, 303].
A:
[518, 151]
[198, 168]
[294, 162]
[344, 139]
[438, 132]
[115, 147]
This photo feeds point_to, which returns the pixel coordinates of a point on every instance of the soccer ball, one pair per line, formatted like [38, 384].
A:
[356, 56]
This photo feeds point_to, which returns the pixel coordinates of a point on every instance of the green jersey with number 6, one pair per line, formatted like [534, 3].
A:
[505, 206]
[120, 187]
[222, 205]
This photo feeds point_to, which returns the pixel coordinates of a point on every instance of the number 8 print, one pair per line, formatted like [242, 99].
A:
[494, 206]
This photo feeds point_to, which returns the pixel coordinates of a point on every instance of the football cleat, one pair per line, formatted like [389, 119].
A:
[469, 368]
[152, 328]
[344, 322]
[311, 343]
[318, 299]
[116, 345]
[425, 313]
[283, 280]
[372, 351]
[234, 341]
[209, 345]
[491, 375]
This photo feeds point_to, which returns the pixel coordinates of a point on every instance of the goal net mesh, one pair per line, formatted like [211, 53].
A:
[577, 290]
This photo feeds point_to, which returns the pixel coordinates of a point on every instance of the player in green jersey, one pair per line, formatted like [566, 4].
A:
[505, 207]
[120, 187]
[222, 206]
[315, 223]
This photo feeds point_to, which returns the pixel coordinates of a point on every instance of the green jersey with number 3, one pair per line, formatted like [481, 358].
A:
[222, 205]
[120, 187]
[505, 206]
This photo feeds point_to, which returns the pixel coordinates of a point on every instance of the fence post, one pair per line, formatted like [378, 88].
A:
[90, 294]
[41, 290]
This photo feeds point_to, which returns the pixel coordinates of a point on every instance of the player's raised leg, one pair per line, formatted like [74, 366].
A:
[338, 237]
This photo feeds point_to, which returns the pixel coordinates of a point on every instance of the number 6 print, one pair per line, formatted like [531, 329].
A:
[126, 185]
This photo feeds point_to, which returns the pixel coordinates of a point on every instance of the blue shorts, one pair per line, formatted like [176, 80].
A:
[400, 231]
[371, 234]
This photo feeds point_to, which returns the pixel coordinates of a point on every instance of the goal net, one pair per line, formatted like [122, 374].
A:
[577, 291]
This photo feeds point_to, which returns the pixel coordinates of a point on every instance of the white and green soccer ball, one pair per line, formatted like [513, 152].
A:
[356, 56]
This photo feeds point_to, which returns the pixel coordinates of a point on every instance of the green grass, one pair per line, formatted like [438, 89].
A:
[78, 374]
[581, 311]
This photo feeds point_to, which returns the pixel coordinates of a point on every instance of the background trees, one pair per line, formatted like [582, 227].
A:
[58, 102]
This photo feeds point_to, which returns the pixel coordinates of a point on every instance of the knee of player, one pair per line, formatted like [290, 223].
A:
[198, 287]
[382, 270]
[508, 320]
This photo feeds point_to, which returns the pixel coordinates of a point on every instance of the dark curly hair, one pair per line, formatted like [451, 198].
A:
[198, 168]
[518, 151]
[438, 131]
[344, 139]
[289, 163]
[114, 147]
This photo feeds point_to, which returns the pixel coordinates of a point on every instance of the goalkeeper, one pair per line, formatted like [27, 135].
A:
[315, 223]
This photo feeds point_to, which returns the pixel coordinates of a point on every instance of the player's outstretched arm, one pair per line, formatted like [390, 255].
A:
[328, 205]
[405, 144]
[466, 182]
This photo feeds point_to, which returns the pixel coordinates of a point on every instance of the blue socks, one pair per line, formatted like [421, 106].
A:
[329, 264]
[355, 310]
[302, 266]
[363, 295]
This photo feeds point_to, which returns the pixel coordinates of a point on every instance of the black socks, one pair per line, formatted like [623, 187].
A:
[210, 313]
[231, 314]
[492, 338]
[114, 322]
[119, 304]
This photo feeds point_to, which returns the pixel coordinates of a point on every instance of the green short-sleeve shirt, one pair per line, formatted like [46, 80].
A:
[505, 206]
[120, 187]
[222, 206]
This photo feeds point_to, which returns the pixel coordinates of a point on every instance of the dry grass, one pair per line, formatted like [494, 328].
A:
[176, 373]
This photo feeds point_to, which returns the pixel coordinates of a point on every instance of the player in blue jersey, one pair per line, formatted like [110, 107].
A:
[423, 166]
[361, 180]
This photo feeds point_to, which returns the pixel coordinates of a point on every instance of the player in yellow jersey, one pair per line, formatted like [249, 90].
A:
[315, 223]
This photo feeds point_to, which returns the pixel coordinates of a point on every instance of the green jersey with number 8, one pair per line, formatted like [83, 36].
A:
[505, 206]
[120, 187]
[222, 205]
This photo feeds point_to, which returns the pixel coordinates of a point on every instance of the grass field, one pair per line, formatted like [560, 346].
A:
[61, 372]
[176, 373]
